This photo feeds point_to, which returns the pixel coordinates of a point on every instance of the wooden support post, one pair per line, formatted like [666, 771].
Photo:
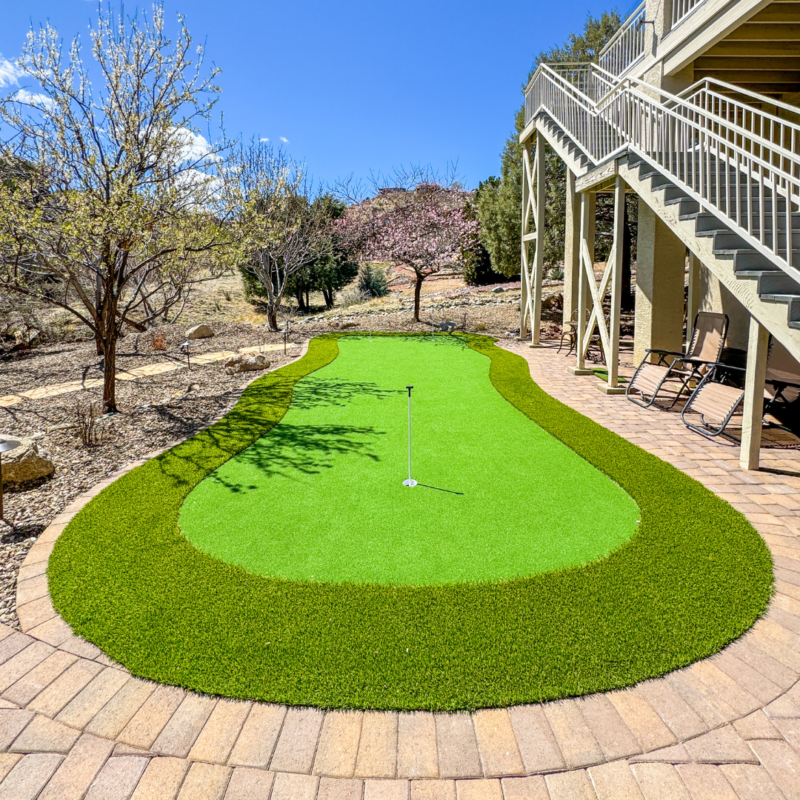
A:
[538, 271]
[693, 297]
[524, 297]
[618, 252]
[587, 225]
[757, 348]
[572, 249]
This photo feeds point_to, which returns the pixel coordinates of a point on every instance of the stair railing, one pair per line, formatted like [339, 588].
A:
[736, 161]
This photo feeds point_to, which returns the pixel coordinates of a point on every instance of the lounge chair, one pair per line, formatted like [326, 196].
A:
[782, 387]
[671, 367]
[716, 400]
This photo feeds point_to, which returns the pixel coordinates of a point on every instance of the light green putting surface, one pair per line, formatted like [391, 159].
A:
[321, 496]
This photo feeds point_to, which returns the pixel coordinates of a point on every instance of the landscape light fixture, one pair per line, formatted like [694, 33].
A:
[6, 446]
[184, 348]
[410, 481]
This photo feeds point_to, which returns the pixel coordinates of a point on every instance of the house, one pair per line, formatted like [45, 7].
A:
[692, 108]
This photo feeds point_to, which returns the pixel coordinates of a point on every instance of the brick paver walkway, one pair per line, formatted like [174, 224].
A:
[75, 725]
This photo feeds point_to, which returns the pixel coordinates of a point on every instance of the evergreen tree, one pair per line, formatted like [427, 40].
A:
[327, 274]
[499, 200]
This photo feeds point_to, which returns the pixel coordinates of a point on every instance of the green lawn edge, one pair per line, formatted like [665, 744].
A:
[694, 578]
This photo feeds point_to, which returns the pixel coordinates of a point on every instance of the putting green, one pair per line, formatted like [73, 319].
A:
[320, 497]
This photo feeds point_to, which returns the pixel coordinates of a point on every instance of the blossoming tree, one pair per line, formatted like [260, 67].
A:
[423, 226]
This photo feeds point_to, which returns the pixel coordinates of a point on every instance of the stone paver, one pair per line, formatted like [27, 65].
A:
[118, 778]
[250, 784]
[338, 744]
[458, 747]
[162, 779]
[73, 724]
[256, 742]
[78, 770]
[205, 782]
[297, 743]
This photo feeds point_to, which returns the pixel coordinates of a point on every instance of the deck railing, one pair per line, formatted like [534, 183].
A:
[626, 47]
[681, 9]
[737, 161]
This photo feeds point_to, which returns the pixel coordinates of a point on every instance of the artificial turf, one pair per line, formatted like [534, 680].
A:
[694, 576]
[320, 497]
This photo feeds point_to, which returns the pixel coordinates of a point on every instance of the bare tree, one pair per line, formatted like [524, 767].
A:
[277, 227]
[110, 192]
[413, 218]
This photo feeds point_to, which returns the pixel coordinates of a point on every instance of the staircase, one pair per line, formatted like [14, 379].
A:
[720, 172]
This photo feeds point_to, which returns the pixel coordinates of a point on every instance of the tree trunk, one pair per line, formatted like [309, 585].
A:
[308, 302]
[110, 375]
[328, 295]
[417, 290]
[272, 318]
[301, 305]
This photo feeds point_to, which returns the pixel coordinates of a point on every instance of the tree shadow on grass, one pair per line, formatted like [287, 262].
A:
[315, 392]
[305, 449]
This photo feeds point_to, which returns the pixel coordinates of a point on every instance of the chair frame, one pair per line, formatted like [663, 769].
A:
[707, 430]
[693, 374]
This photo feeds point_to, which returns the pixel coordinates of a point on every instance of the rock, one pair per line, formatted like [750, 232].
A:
[498, 290]
[25, 464]
[346, 325]
[201, 331]
[554, 302]
[244, 363]
[447, 327]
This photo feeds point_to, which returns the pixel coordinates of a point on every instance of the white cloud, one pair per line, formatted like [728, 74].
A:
[193, 146]
[10, 73]
[31, 99]
[284, 140]
[264, 139]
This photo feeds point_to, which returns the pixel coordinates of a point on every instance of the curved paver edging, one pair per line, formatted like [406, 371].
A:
[684, 586]
[704, 713]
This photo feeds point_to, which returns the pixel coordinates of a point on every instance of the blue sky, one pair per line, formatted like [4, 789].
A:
[356, 86]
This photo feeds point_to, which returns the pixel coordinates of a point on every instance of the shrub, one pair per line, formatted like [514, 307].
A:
[372, 281]
[86, 416]
[352, 296]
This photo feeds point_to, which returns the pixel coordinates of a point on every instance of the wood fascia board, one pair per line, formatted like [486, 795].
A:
[706, 27]
[528, 131]
[595, 178]
[563, 153]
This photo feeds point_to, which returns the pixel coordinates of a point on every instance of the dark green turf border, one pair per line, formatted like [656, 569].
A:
[694, 577]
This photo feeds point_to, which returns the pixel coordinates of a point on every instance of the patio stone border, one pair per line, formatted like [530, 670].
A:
[61, 696]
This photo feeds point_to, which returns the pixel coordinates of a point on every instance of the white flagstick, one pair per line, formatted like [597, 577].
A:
[410, 481]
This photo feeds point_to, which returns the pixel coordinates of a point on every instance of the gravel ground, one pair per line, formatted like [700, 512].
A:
[155, 412]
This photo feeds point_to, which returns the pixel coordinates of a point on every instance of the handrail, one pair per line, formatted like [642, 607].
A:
[681, 9]
[626, 46]
[738, 162]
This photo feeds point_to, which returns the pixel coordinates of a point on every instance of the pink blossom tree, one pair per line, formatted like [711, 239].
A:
[424, 227]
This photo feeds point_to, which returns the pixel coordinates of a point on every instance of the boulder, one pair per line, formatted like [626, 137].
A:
[25, 464]
[447, 327]
[498, 290]
[245, 363]
[201, 331]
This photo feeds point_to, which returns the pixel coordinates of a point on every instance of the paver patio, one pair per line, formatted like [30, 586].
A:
[74, 725]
